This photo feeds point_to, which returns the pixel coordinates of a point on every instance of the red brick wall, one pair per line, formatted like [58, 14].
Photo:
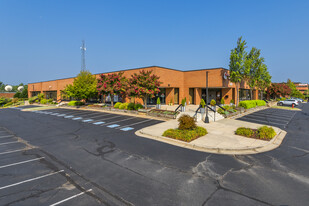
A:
[7, 95]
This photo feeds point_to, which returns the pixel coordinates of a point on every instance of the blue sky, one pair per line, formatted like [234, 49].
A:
[40, 39]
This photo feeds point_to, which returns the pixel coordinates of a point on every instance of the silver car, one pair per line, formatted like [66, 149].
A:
[288, 102]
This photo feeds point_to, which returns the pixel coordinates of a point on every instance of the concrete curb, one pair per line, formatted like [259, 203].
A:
[273, 144]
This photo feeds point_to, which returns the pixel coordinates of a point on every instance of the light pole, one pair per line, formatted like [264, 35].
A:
[206, 118]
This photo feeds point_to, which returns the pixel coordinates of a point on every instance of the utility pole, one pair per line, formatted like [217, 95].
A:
[206, 118]
[83, 63]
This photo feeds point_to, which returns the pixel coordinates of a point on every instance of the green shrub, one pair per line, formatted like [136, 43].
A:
[131, 106]
[183, 102]
[158, 100]
[247, 132]
[43, 101]
[41, 96]
[33, 99]
[213, 102]
[266, 132]
[117, 105]
[75, 103]
[50, 101]
[251, 103]
[138, 106]
[222, 101]
[186, 122]
[203, 103]
[123, 106]
[185, 135]
[3, 100]
[232, 101]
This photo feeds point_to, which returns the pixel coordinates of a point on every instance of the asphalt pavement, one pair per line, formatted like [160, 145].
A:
[67, 157]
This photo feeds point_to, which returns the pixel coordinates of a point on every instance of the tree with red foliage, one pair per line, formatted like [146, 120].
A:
[279, 90]
[113, 84]
[143, 85]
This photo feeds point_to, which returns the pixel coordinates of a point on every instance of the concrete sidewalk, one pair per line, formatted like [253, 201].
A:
[220, 139]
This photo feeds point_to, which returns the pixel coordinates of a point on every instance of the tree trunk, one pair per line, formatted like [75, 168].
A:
[251, 93]
[112, 100]
[145, 101]
[237, 88]
[262, 94]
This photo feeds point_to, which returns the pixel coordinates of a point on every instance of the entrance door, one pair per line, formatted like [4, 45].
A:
[176, 95]
[191, 95]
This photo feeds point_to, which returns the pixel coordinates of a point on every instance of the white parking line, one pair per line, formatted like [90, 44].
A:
[8, 143]
[6, 136]
[272, 114]
[29, 180]
[109, 118]
[120, 120]
[135, 123]
[18, 163]
[69, 198]
[8, 152]
[99, 115]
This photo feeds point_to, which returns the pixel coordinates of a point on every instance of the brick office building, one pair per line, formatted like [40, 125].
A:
[301, 86]
[175, 86]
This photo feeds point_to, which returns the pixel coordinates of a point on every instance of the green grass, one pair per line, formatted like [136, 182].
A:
[286, 107]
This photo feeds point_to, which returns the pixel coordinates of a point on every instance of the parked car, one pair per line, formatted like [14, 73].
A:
[299, 100]
[288, 102]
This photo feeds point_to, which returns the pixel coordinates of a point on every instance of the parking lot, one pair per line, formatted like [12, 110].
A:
[273, 117]
[110, 120]
[30, 176]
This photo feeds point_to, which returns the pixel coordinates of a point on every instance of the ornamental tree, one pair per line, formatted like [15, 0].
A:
[113, 84]
[143, 85]
[84, 86]
[237, 64]
[263, 79]
[278, 90]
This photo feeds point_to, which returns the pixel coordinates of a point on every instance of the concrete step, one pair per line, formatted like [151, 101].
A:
[201, 117]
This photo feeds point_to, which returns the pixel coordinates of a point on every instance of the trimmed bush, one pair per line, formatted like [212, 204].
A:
[75, 103]
[185, 135]
[243, 131]
[43, 101]
[123, 106]
[4, 101]
[213, 102]
[247, 104]
[33, 99]
[222, 101]
[203, 103]
[186, 122]
[266, 132]
[232, 101]
[131, 106]
[158, 100]
[138, 106]
[117, 105]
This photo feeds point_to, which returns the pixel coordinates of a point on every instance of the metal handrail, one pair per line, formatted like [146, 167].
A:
[178, 107]
[221, 107]
[210, 108]
[194, 116]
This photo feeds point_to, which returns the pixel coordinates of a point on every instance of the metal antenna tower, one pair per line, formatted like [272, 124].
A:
[83, 48]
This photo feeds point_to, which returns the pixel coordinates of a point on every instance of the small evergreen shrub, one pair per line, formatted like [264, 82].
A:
[185, 135]
[222, 101]
[243, 131]
[158, 100]
[43, 101]
[138, 106]
[213, 102]
[117, 105]
[33, 99]
[266, 132]
[131, 106]
[203, 103]
[232, 101]
[123, 106]
[75, 103]
[183, 102]
[186, 122]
